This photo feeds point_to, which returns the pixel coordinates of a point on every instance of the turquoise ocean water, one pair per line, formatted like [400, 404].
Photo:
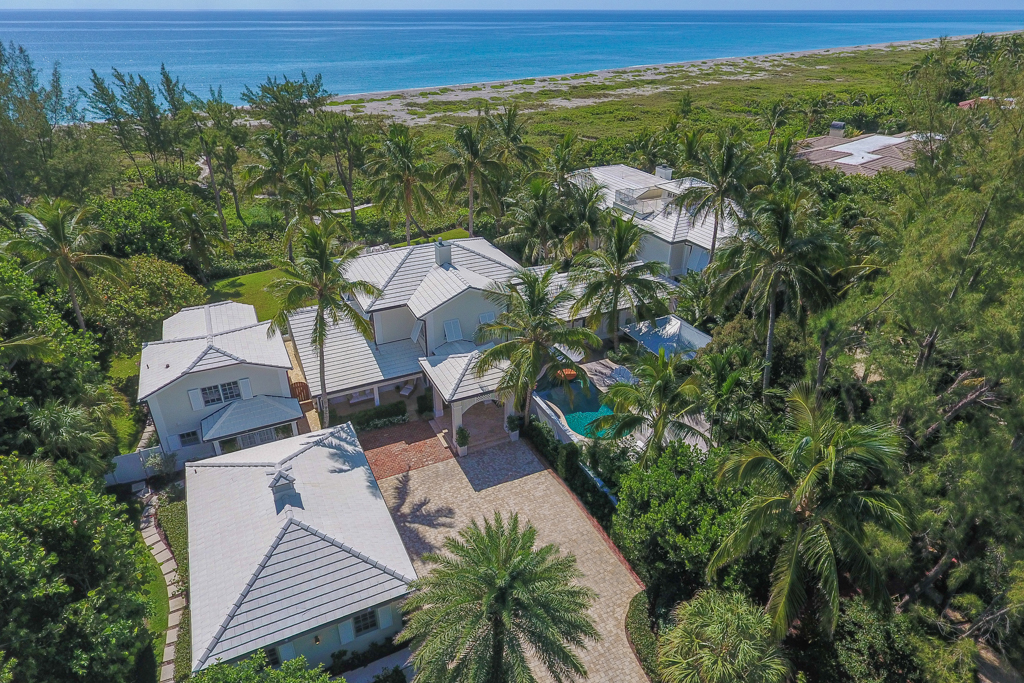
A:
[372, 51]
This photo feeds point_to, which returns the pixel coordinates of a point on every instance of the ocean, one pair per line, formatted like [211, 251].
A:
[359, 52]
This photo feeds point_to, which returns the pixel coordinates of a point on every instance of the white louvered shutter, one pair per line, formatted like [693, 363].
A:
[487, 317]
[384, 616]
[346, 632]
[452, 330]
[196, 398]
[174, 442]
[245, 388]
[417, 330]
[286, 652]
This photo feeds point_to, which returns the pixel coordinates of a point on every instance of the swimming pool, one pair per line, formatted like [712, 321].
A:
[578, 408]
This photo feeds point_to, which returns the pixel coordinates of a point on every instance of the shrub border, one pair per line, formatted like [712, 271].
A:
[641, 637]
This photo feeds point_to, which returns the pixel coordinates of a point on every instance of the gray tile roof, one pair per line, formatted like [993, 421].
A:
[442, 284]
[455, 376]
[351, 360]
[198, 321]
[249, 414]
[401, 272]
[671, 333]
[167, 360]
[268, 563]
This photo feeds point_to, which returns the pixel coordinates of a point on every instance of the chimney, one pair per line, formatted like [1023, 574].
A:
[663, 172]
[837, 129]
[443, 253]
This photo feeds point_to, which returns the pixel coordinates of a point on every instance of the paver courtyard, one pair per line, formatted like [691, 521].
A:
[435, 501]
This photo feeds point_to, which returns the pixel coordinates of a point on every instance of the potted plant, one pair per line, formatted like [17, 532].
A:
[462, 440]
[512, 427]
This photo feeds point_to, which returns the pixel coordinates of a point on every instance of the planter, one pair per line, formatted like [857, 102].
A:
[463, 450]
[514, 436]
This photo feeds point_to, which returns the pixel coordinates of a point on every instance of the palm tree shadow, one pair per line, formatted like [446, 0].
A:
[414, 519]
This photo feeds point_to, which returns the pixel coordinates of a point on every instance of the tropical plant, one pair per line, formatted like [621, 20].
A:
[723, 169]
[728, 390]
[317, 278]
[532, 339]
[399, 175]
[695, 301]
[491, 600]
[268, 174]
[815, 494]
[582, 217]
[772, 116]
[256, 669]
[58, 240]
[509, 132]
[343, 139]
[534, 219]
[78, 430]
[612, 279]
[646, 150]
[564, 159]
[781, 249]
[656, 407]
[472, 158]
[311, 194]
[200, 240]
[721, 637]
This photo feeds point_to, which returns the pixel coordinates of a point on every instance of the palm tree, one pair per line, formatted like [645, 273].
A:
[509, 133]
[24, 346]
[491, 600]
[268, 174]
[532, 339]
[310, 195]
[781, 247]
[564, 160]
[654, 406]
[197, 228]
[399, 175]
[57, 239]
[344, 140]
[317, 278]
[720, 637]
[694, 299]
[582, 217]
[723, 168]
[646, 150]
[781, 167]
[815, 495]
[473, 158]
[728, 381]
[773, 116]
[612, 279]
[534, 218]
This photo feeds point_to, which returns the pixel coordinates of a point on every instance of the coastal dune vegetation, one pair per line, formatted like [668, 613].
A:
[856, 513]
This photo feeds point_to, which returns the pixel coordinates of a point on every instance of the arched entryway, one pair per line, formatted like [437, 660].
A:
[485, 421]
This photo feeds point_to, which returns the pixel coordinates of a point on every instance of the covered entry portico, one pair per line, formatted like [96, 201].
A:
[457, 389]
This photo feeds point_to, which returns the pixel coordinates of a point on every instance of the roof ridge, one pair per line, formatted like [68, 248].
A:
[461, 245]
[202, 355]
[462, 375]
[349, 549]
[383, 287]
[211, 334]
[275, 463]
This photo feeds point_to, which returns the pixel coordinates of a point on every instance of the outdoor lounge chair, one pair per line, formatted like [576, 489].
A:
[360, 396]
[408, 388]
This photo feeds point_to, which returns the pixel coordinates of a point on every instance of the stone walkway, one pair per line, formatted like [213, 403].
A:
[435, 501]
[162, 552]
[401, 448]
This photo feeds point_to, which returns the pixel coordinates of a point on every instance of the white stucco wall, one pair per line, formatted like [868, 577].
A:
[330, 640]
[654, 249]
[467, 307]
[393, 324]
[172, 411]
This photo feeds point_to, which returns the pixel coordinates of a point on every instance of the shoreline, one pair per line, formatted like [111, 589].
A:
[401, 104]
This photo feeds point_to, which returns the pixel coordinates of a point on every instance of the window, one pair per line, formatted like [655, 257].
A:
[228, 391]
[211, 395]
[229, 445]
[189, 439]
[256, 438]
[284, 431]
[272, 658]
[487, 317]
[365, 622]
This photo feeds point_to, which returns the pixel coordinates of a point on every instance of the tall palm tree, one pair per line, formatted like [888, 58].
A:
[781, 167]
[720, 637]
[310, 195]
[268, 174]
[816, 495]
[564, 160]
[197, 229]
[399, 175]
[654, 406]
[782, 248]
[491, 600]
[534, 219]
[582, 217]
[647, 150]
[728, 382]
[532, 339]
[57, 239]
[773, 116]
[612, 279]
[724, 167]
[343, 138]
[317, 278]
[509, 132]
[473, 158]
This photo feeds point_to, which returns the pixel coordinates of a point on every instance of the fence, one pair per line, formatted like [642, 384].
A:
[131, 467]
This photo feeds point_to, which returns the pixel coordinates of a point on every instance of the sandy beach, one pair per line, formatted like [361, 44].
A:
[420, 105]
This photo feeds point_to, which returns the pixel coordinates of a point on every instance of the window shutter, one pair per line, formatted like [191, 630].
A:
[245, 388]
[345, 632]
[452, 330]
[196, 398]
[417, 329]
[173, 442]
[384, 616]
[487, 317]
[286, 651]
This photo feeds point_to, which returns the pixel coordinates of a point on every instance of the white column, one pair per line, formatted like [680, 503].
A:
[457, 411]
[376, 396]
[438, 403]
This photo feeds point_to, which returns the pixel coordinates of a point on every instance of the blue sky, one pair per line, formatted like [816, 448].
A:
[967, 5]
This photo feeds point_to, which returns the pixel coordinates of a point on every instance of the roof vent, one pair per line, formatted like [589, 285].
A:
[282, 479]
[443, 253]
[837, 129]
[663, 172]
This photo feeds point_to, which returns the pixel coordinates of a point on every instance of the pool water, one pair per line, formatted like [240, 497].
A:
[581, 410]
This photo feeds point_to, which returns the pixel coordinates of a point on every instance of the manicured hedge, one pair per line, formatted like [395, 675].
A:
[363, 418]
[173, 521]
[565, 458]
[425, 402]
[638, 630]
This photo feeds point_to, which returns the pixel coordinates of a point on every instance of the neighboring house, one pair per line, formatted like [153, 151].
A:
[217, 382]
[863, 155]
[291, 551]
[677, 237]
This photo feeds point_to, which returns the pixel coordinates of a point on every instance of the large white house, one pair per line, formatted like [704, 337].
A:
[292, 551]
[677, 237]
[217, 382]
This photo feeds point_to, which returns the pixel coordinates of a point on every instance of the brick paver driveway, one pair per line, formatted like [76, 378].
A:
[433, 502]
[401, 448]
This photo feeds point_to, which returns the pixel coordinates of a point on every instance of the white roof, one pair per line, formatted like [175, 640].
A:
[442, 284]
[859, 150]
[351, 360]
[167, 360]
[663, 219]
[671, 333]
[402, 273]
[267, 562]
[198, 321]
[455, 376]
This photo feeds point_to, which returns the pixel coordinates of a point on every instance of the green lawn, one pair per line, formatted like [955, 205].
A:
[147, 669]
[248, 289]
[457, 233]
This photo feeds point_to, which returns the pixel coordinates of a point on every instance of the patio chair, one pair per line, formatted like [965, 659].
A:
[360, 396]
[408, 388]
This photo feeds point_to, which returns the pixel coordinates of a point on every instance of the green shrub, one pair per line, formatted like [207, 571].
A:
[513, 423]
[343, 660]
[425, 402]
[383, 422]
[364, 417]
[462, 436]
[641, 636]
[173, 521]
[392, 675]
